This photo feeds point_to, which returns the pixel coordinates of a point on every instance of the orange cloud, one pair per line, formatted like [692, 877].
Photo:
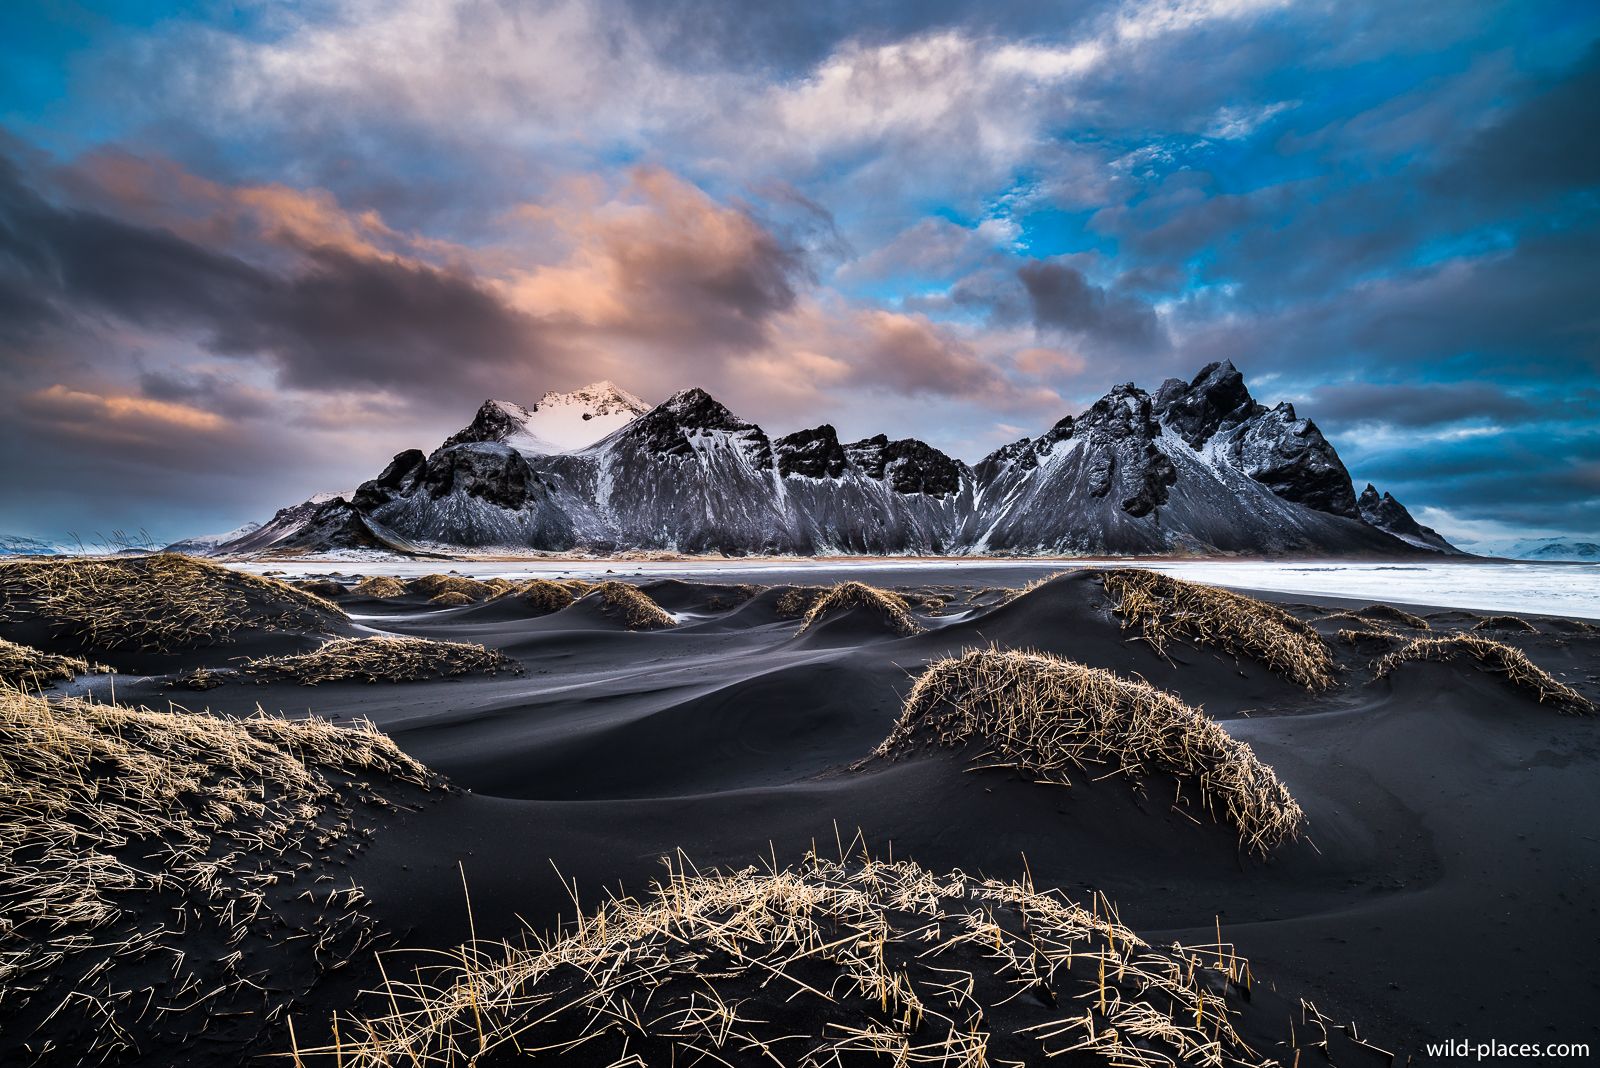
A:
[117, 414]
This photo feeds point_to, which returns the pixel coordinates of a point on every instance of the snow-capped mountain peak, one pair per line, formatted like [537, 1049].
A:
[559, 422]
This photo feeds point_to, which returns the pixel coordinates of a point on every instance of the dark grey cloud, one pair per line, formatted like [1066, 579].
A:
[1545, 144]
[1062, 299]
[1412, 405]
[335, 320]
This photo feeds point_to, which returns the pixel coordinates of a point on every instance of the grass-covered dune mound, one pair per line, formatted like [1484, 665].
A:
[165, 603]
[624, 603]
[1492, 656]
[1161, 609]
[885, 606]
[379, 587]
[543, 596]
[151, 869]
[858, 962]
[1051, 718]
[1380, 614]
[382, 659]
[26, 668]
[458, 588]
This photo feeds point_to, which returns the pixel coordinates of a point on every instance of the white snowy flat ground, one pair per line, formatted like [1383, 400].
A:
[1571, 590]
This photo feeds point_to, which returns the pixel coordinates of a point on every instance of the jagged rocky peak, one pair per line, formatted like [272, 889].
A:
[1023, 455]
[1119, 434]
[1290, 457]
[909, 465]
[673, 427]
[1388, 514]
[814, 453]
[1215, 400]
[496, 420]
[559, 422]
[487, 470]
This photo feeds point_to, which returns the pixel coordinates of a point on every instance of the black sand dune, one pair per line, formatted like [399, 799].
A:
[1441, 890]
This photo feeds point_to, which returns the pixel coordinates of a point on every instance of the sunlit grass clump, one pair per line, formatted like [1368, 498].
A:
[831, 963]
[129, 835]
[1051, 718]
[1380, 614]
[892, 608]
[381, 587]
[1510, 624]
[469, 590]
[1492, 656]
[161, 603]
[630, 606]
[382, 660]
[544, 596]
[26, 668]
[1162, 608]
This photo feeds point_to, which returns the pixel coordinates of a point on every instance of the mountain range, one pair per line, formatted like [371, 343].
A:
[1197, 467]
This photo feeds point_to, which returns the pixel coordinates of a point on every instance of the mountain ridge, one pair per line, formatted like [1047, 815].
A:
[1197, 467]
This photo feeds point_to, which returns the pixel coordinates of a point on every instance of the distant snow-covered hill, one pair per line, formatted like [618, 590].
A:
[1572, 550]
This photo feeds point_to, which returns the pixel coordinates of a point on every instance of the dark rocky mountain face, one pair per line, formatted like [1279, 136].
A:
[812, 453]
[494, 422]
[1200, 467]
[1388, 514]
[909, 465]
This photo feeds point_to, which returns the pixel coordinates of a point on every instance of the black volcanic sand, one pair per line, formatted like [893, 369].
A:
[1444, 891]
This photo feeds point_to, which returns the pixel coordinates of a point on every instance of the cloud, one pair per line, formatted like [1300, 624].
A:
[662, 262]
[1408, 405]
[1065, 301]
[1540, 146]
[327, 318]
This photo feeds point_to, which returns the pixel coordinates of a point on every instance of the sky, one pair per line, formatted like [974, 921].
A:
[249, 250]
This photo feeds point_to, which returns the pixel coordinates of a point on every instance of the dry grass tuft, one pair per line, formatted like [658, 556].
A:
[1161, 608]
[326, 588]
[27, 668]
[451, 599]
[796, 601]
[542, 596]
[380, 586]
[1047, 716]
[1496, 657]
[433, 586]
[891, 606]
[631, 605]
[160, 603]
[1514, 624]
[129, 836]
[851, 962]
[1382, 613]
[382, 660]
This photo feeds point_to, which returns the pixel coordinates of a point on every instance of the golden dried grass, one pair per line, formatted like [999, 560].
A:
[1162, 608]
[1512, 624]
[542, 596]
[886, 963]
[381, 659]
[433, 586]
[27, 668]
[889, 606]
[1495, 657]
[1382, 613]
[1047, 717]
[631, 606]
[381, 587]
[107, 810]
[796, 601]
[160, 603]
[452, 599]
